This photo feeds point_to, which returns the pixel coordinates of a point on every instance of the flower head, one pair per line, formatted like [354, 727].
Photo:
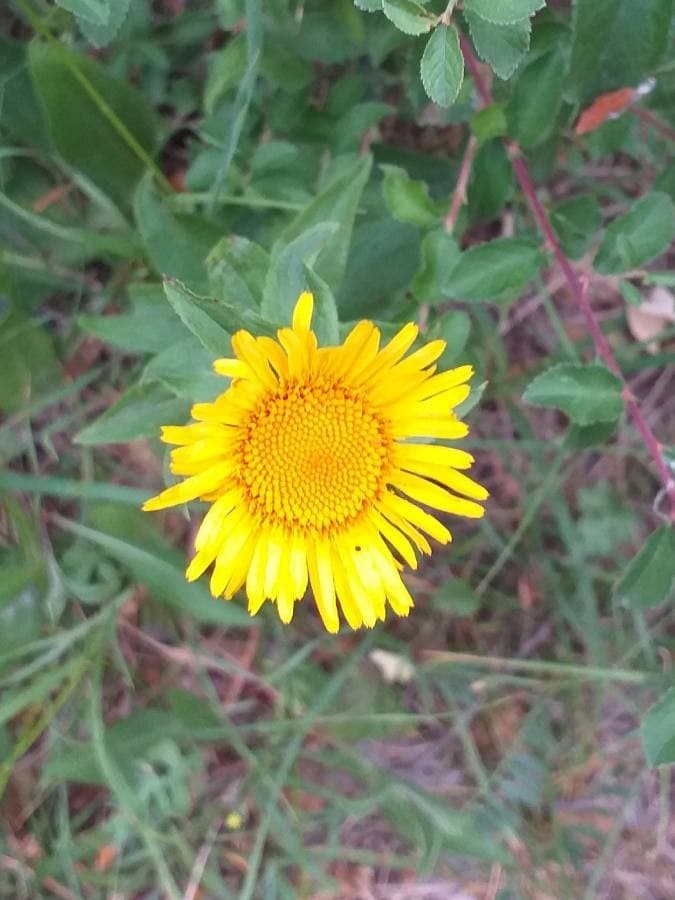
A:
[307, 462]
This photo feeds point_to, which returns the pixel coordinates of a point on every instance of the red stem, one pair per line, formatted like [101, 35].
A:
[576, 285]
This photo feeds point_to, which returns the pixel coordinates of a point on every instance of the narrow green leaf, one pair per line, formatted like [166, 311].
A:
[639, 235]
[211, 320]
[80, 129]
[139, 412]
[648, 579]
[166, 582]
[442, 67]
[287, 278]
[337, 203]
[658, 731]
[177, 243]
[586, 393]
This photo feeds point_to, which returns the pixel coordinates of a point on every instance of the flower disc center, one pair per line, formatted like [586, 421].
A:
[314, 455]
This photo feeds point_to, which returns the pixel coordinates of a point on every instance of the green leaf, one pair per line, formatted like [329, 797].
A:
[492, 182]
[127, 742]
[101, 34]
[139, 412]
[287, 275]
[368, 5]
[639, 235]
[489, 123]
[648, 579]
[408, 16]
[454, 327]
[536, 99]
[80, 130]
[237, 268]
[503, 12]
[96, 11]
[184, 368]
[325, 317]
[503, 47]
[177, 244]
[658, 731]
[337, 203]
[616, 43]
[226, 69]
[576, 221]
[408, 200]
[29, 364]
[149, 327]
[442, 66]
[164, 579]
[456, 597]
[586, 393]
[440, 254]
[497, 270]
[212, 320]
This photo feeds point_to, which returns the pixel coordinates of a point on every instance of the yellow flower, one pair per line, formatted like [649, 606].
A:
[311, 476]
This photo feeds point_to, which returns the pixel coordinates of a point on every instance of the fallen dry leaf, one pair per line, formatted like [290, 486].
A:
[650, 318]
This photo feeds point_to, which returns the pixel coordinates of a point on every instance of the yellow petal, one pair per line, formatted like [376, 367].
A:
[302, 314]
[191, 488]
[323, 585]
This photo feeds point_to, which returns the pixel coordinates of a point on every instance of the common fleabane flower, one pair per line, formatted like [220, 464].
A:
[311, 473]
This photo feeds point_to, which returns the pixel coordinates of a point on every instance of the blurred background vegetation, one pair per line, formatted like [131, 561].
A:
[155, 742]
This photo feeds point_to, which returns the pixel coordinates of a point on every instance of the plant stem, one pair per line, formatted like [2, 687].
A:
[577, 285]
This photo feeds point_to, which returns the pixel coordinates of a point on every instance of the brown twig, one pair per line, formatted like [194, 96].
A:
[577, 286]
[647, 116]
[459, 194]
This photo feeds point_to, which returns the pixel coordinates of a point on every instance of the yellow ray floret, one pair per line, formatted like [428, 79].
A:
[311, 473]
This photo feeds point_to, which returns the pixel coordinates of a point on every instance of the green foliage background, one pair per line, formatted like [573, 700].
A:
[172, 172]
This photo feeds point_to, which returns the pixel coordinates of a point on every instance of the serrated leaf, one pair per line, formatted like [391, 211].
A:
[101, 34]
[408, 200]
[503, 12]
[497, 270]
[95, 11]
[639, 235]
[501, 46]
[648, 579]
[442, 67]
[586, 393]
[658, 731]
[408, 16]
